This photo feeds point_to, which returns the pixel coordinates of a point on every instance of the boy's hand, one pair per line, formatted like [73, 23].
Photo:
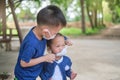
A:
[49, 58]
[68, 42]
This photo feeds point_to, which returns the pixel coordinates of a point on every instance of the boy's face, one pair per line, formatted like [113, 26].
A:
[50, 33]
[58, 44]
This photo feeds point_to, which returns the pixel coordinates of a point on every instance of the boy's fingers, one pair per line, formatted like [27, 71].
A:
[50, 58]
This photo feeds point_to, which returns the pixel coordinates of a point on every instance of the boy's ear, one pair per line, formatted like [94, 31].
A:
[45, 30]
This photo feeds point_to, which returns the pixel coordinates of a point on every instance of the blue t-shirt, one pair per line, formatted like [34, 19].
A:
[30, 48]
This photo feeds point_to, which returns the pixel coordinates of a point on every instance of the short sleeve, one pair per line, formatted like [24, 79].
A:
[68, 66]
[28, 53]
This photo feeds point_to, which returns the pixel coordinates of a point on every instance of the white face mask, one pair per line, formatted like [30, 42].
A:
[51, 37]
[63, 52]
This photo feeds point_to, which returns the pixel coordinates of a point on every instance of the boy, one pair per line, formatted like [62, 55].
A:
[61, 67]
[50, 20]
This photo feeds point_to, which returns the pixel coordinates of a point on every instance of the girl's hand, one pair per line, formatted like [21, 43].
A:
[73, 75]
[68, 42]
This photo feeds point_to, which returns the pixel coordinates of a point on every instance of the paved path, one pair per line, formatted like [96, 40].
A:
[93, 59]
[96, 59]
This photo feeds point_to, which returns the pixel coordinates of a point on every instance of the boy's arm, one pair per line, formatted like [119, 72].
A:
[68, 41]
[47, 58]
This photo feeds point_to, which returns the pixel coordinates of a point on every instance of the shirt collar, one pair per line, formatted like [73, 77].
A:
[60, 60]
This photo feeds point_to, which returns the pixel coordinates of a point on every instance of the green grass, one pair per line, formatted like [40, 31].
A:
[77, 31]
[14, 31]
[90, 31]
[71, 31]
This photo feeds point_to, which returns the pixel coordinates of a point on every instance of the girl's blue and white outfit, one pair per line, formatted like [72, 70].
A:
[57, 70]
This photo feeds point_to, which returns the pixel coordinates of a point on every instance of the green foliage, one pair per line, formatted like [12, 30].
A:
[63, 4]
[94, 12]
[0, 27]
[27, 10]
[94, 4]
[38, 2]
[69, 7]
[25, 15]
[4, 75]
[15, 78]
[108, 17]
[114, 6]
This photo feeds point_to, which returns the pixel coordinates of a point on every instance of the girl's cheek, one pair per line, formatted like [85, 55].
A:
[57, 51]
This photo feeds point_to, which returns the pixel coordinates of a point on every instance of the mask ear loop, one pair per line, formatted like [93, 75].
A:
[66, 46]
[49, 32]
[51, 37]
[46, 30]
[48, 50]
[63, 52]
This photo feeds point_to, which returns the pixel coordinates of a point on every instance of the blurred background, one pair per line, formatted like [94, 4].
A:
[84, 17]
[89, 22]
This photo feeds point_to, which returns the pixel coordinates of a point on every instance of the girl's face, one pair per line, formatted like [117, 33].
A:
[57, 44]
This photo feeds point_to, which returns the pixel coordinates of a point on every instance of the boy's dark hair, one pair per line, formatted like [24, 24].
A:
[49, 42]
[51, 15]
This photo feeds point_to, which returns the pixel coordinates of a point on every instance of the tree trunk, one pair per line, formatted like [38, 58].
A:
[3, 17]
[95, 17]
[102, 20]
[15, 20]
[90, 18]
[83, 16]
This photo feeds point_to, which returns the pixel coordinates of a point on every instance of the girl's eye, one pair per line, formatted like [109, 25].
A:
[63, 45]
[58, 46]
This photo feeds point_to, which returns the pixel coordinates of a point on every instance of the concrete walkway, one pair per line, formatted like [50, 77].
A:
[93, 59]
[113, 32]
